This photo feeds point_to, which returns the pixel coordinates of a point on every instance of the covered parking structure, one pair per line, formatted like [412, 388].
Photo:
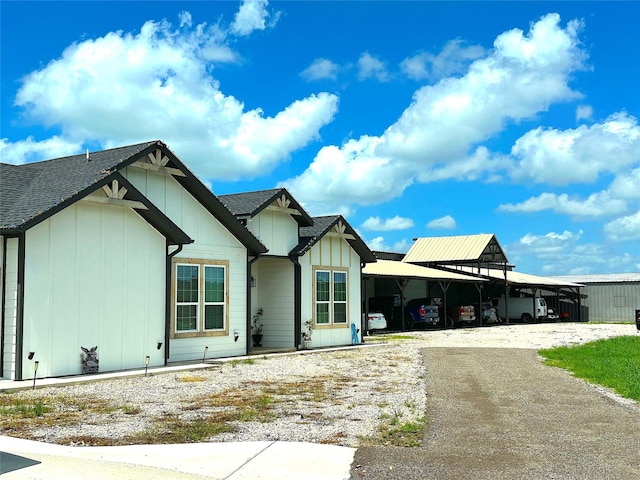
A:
[396, 281]
[481, 257]
[561, 295]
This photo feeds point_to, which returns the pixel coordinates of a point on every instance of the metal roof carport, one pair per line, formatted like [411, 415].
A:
[526, 280]
[402, 272]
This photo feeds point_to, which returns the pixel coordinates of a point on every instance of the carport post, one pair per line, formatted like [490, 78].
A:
[479, 288]
[506, 297]
[401, 284]
[444, 286]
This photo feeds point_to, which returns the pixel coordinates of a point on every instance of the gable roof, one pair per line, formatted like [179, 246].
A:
[32, 192]
[457, 250]
[309, 236]
[250, 204]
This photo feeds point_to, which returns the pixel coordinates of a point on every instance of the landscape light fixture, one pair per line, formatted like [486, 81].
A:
[146, 364]
[205, 354]
[35, 371]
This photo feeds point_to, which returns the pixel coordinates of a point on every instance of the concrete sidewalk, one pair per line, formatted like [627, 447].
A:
[26, 459]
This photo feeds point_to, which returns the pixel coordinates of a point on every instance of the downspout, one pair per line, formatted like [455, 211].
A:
[3, 282]
[167, 313]
[249, 326]
[20, 306]
[297, 301]
[364, 301]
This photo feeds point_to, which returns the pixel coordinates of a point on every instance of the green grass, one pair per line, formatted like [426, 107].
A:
[613, 363]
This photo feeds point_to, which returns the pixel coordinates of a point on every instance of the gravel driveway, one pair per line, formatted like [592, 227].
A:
[499, 413]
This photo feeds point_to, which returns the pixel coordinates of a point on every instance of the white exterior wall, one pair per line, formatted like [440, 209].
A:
[278, 231]
[616, 302]
[94, 276]
[275, 294]
[332, 252]
[9, 282]
[212, 241]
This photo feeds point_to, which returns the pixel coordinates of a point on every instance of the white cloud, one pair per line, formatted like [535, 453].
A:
[624, 228]
[321, 68]
[627, 185]
[372, 67]
[454, 58]
[447, 223]
[379, 244]
[124, 88]
[560, 157]
[521, 76]
[251, 16]
[584, 112]
[597, 205]
[395, 223]
[28, 150]
[563, 254]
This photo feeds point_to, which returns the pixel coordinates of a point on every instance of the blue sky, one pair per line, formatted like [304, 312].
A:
[412, 119]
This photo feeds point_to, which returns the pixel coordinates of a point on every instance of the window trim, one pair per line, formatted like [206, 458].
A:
[332, 302]
[200, 330]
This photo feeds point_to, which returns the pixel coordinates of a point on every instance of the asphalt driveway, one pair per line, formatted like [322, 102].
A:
[501, 414]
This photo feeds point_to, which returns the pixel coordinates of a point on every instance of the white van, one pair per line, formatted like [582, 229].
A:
[522, 308]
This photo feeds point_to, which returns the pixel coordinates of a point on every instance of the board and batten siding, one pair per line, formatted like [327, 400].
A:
[212, 241]
[330, 252]
[95, 276]
[275, 279]
[9, 283]
[278, 231]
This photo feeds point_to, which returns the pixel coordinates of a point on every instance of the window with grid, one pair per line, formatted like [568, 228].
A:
[330, 297]
[200, 298]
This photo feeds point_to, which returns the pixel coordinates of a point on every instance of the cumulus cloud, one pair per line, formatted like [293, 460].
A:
[395, 223]
[564, 254]
[560, 157]
[434, 137]
[321, 68]
[584, 112]
[624, 228]
[379, 244]
[453, 59]
[446, 223]
[372, 67]
[29, 150]
[596, 205]
[252, 15]
[124, 88]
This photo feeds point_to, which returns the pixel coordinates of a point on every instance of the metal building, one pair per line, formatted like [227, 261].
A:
[612, 297]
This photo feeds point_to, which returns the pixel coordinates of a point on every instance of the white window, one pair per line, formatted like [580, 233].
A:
[200, 298]
[331, 298]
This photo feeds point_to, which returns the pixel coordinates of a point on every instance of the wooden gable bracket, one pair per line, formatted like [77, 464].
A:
[156, 162]
[339, 230]
[114, 195]
[282, 205]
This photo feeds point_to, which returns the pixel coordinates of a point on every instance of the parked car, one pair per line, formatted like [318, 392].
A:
[488, 314]
[461, 314]
[376, 321]
[552, 316]
[421, 312]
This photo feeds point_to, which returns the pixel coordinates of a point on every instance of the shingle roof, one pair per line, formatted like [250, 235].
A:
[30, 190]
[309, 236]
[252, 203]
